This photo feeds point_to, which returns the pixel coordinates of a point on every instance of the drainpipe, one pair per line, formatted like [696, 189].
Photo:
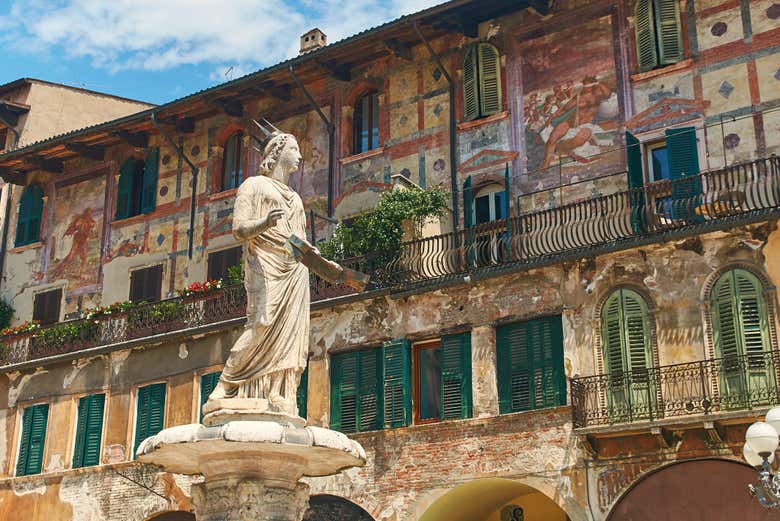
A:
[331, 136]
[194, 169]
[453, 128]
[8, 194]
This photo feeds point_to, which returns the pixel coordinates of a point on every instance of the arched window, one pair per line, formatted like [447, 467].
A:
[137, 190]
[658, 34]
[481, 82]
[626, 338]
[28, 224]
[740, 328]
[232, 162]
[366, 128]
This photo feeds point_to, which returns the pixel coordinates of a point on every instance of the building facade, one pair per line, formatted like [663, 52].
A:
[586, 336]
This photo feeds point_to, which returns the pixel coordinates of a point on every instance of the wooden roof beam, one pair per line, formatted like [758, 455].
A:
[399, 49]
[230, 106]
[91, 152]
[460, 24]
[335, 70]
[54, 166]
[137, 140]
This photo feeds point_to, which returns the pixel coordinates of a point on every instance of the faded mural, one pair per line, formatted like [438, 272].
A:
[76, 252]
[571, 114]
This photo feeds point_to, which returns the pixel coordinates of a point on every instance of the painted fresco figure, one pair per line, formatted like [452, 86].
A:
[573, 124]
[267, 360]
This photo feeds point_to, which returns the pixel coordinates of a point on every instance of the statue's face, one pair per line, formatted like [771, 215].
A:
[290, 157]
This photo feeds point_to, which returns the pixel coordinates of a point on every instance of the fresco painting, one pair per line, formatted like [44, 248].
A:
[571, 109]
[76, 252]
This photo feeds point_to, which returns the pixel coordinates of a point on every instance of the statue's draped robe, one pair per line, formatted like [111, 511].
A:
[277, 329]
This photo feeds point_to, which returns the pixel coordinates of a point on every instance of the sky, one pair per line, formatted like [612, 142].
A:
[161, 50]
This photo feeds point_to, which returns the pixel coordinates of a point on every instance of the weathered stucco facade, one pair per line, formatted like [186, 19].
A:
[571, 87]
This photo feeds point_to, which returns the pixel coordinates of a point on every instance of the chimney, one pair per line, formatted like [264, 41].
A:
[313, 40]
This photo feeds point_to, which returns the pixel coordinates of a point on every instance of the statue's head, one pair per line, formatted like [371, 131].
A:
[281, 156]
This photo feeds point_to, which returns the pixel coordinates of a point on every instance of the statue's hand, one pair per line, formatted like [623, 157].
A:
[272, 218]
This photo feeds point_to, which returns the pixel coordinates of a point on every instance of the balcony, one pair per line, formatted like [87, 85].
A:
[705, 387]
[716, 200]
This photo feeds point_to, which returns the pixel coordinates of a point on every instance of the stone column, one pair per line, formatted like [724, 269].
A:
[483, 371]
[247, 499]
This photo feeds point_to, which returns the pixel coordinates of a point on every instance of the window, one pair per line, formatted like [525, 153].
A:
[356, 395]
[28, 224]
[740, 325]
[489, 205]
[529, 358]
[221, 261]
[150, 413]
[481, 82]
[46, 307]
[675, 160]
[146, 284]
[32, 439]
[658, 34]
[208, 382]
[137, 190]
[625, 334]
[233, 162]
[366, 123]
[89, 431]
[442, 379]
[303, 392]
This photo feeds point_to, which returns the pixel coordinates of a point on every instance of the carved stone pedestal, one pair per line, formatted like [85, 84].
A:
[251, 468]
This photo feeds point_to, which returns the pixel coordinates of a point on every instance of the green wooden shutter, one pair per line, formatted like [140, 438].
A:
[89, 431]
[150, 413]
[753, 317]
[468, 202]
[397, 383]
[612, 336]
[529, 357]
[343, 389]
[636, 182]
[471, 103]
[667, 26]
[208, 382]
[646, 50]
[149, 189]
[302, 393]
[456, 376]
[370, 397]
[724, 314]
[489, 80]
[637, 330]
[31, 446]
[124, 193]
[683, 153]
[28, 223]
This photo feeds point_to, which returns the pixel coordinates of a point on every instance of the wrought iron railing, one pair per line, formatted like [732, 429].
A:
[694, 388]
[746, 189]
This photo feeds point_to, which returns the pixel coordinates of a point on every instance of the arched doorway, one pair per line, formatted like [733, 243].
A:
[333, 508]
[696, 490]
[494, 499]
[178, 515]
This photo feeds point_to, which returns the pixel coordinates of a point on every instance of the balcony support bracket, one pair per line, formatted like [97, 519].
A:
[715, 433]
[666, 438]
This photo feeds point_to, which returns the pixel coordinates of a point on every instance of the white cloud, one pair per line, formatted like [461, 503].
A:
[162, 34]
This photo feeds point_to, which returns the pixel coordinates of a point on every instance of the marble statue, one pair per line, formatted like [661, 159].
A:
[267, 360]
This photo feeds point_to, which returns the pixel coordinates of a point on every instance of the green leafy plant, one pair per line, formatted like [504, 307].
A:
[69, 331]
[6, 314]
[24, 327]
[236, 273]
[382, 230]
[114, 309]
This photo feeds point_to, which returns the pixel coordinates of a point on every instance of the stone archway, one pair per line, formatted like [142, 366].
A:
[178, 515]
[494, 499]
[333, 508]
[696, 490]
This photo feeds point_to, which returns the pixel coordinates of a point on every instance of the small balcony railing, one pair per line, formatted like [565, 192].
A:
[685, 206]
[697, 388]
